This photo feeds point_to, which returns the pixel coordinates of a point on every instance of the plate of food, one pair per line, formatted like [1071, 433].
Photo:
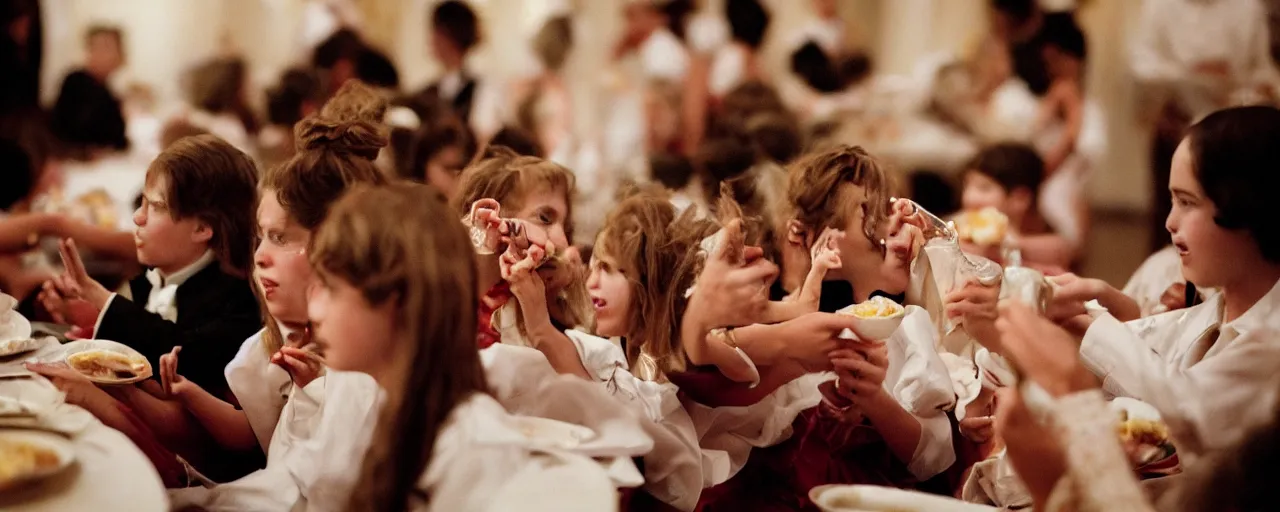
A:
[107, 362]
[986, 227]
[551, 433]
[13, 326]
[873, 498]
[1142, 432]
[28, 456]
[877, 318]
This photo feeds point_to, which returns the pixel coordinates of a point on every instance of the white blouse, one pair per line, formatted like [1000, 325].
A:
[261, 388]
[1211, 381]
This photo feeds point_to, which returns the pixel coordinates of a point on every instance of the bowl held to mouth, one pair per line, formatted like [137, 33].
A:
[876, 319]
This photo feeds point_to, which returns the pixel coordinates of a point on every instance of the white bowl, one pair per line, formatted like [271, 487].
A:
[872, 329]
[871, 498]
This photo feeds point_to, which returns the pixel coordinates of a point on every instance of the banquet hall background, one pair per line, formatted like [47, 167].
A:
[164, 39]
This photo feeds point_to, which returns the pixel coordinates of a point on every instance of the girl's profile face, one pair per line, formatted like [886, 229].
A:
[444, 169]
[280, 266]
[355, 335]
[548, 208]
[610, 295]
[1210, 254]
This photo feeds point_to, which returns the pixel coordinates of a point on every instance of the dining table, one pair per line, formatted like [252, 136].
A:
[108, 474]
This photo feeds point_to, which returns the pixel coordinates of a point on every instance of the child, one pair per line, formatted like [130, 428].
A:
[1061, 119]
[537, 194]
[444, 146]
[1204, 366]
[454, 30]
[1007, 177]
[196, 243]
[442, 443]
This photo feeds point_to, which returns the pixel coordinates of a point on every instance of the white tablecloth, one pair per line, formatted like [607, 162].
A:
[110, 473]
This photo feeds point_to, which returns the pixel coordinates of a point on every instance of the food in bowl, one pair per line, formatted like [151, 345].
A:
[878, 317]
[986, 227]
[21, 459]
[876, 307]
[106, 364]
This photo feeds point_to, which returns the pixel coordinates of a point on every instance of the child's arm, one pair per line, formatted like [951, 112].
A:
[1047, 249]
[1072, 108]
[17, 232]
[826, 257]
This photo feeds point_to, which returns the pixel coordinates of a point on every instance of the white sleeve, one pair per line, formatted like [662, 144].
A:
[102, 314]
[935, 451]
[922, 382]
[1207, 406]
[264, 489]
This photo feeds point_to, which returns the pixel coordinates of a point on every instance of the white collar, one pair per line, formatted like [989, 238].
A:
[1261, 315]
[185, 273]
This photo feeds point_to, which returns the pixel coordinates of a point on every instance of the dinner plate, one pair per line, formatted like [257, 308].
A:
[13, 326]
[79, 346]
[7, 302]
[57, 446]
[871, 498]
[551, 433]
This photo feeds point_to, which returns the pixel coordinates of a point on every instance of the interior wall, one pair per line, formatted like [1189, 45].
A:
[165, 37]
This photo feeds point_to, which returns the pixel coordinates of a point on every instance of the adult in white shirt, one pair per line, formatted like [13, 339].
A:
[1192, 57]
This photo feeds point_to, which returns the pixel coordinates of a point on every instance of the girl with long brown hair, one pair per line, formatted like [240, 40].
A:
[288, 403]
[528, 201]
[399, 302]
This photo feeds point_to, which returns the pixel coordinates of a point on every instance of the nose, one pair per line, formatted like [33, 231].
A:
[140, 215]
[593, 278]
[558, 236]
[1171, 222]
[261, 258]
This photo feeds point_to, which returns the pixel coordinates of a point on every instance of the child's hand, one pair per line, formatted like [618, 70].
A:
[861, 370]
[974, 305]
[72, 311]
[174, 385]
[76, 279]
[484, 216]
[825, 252]
[526, 284]
[299, 359]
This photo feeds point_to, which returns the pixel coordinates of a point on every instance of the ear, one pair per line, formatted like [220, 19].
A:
[202, 234]
[797, 234]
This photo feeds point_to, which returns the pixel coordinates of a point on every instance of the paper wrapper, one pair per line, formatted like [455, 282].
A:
[933, 275]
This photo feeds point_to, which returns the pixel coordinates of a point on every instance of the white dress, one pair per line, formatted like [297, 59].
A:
[672, 468]
[1210, 386]
[260, 387]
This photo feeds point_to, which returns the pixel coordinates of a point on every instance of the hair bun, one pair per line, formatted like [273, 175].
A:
[349, 123]
[361, 138]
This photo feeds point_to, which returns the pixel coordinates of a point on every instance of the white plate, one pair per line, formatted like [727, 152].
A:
[76, 347]
[13, 326]
[551, 433]
[870, 498]
[60, 446]
[18, 346]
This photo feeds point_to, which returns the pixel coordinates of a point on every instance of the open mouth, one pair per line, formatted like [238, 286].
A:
[598, 303]
[1182, 248]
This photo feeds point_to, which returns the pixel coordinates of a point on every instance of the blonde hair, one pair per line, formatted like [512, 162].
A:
[375, 240]
[817, 196]
[336, 149]
[657, 251]
[509, 178]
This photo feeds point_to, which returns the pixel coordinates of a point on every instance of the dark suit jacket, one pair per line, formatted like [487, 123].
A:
[88, 115]
[461, 104]
[216, 313]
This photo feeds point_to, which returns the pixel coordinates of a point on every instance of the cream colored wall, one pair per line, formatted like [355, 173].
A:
[164, 37]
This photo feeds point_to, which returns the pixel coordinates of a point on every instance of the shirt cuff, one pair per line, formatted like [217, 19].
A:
[97, 324]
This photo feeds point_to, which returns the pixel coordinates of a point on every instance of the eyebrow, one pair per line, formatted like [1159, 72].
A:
[1178, 191]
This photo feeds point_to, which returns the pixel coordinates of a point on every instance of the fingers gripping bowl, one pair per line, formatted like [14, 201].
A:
[876, 319]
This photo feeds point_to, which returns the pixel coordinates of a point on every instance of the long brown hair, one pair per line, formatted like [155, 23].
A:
[336, 149]
[816, 196]
[657, 251]
[195, 167]
[509, 178]
[378, 240]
